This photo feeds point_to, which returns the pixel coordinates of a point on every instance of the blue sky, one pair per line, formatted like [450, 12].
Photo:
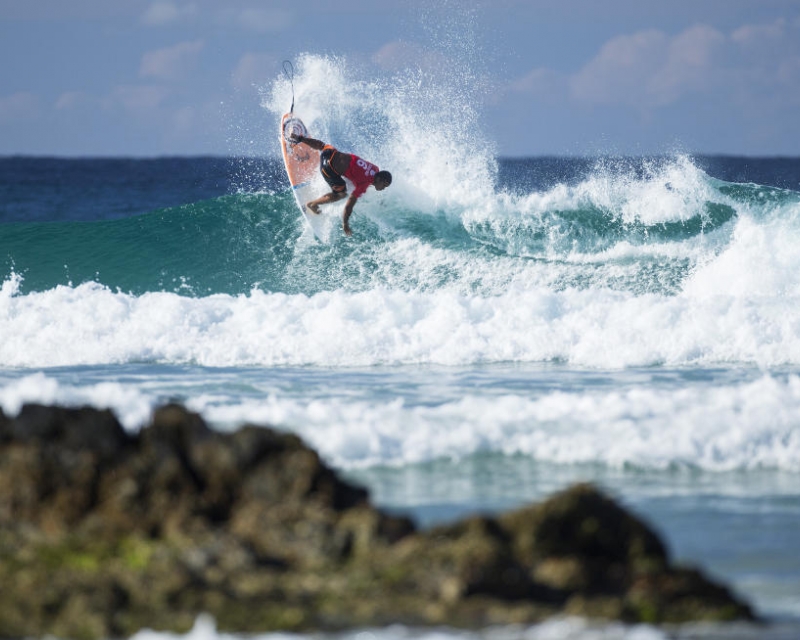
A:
[560, 77]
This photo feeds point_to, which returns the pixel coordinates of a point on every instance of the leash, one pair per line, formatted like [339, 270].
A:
[288, 70]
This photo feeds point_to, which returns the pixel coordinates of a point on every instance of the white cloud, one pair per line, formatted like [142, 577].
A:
[254, 69]
[768, 71]
[760, 34]
[544, 84]
[71, 99]
[691, 65]
[621, 69]
[18, 105]
[652, 69]
[138, 97]
[171, 62]
[159, 14]
[260, 20]
[788, 74]
[184, 120]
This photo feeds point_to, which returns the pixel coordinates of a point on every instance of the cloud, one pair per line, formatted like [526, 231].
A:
[254, 69]
[757, 35]
[184, 120]
[71, 100]
[18, 106]
[788, 75]
[544, 84]
[138, 98]
[767, 76]
[765, 49]
[692, 64]
[622, 69]
[172, 62]
[650, 69]
[259, 20]
[160, 14]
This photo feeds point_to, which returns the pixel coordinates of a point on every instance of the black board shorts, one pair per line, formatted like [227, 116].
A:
[334, 180]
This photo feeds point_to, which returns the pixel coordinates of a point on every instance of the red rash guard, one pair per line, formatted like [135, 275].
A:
[361, 173]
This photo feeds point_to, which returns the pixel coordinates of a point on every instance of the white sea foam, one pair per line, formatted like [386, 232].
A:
[719, 428]
[411, 123]
[761, 262]
[132, 405]
[89, 324]
[666, 192]
[563, 628]
[747, 426]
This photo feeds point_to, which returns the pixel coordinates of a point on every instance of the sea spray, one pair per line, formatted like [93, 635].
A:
[421, 128]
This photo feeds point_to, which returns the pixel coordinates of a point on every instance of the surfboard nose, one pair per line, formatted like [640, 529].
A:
[294, 128]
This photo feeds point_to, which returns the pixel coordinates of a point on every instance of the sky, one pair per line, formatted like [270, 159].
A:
[557, 77]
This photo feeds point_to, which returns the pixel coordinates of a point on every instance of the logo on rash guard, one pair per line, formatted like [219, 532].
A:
[369, 170]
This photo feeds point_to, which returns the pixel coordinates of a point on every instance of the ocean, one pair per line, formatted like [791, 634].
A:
[494, 330]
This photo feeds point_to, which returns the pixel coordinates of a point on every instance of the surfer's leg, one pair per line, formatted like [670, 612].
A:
[335, 181]
[333, 196]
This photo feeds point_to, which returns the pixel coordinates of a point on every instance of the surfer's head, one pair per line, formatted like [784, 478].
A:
[382, 180]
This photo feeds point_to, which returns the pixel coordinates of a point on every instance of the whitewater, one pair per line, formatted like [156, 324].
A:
[494, 330]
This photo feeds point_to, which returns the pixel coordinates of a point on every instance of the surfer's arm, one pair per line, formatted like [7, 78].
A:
[311, 142]
[348, 210]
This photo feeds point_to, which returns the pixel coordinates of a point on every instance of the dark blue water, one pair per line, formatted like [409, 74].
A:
[36, 189]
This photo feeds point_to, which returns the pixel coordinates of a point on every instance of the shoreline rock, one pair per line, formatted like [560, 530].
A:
[103, 533]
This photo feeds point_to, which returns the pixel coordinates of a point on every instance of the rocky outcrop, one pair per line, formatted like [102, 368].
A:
[103, 533]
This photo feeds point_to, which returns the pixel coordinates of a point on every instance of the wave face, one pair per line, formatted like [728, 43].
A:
[662, 227]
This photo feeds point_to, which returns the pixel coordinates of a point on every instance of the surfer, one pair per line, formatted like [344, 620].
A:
[334, 166]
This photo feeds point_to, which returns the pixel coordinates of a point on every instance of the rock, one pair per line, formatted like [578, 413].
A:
[52, 460]
[583, 523]
[104, 533]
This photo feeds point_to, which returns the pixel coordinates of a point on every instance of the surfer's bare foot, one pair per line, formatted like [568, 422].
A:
[313, 208]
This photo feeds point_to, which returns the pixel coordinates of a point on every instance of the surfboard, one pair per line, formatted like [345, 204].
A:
[302, 167]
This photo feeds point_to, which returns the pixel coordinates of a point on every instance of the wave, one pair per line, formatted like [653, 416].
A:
[639, 233]
[456, 221]
[667, 266]
[621, 263]
[90, 324]
[227, 244]
[725, 426]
